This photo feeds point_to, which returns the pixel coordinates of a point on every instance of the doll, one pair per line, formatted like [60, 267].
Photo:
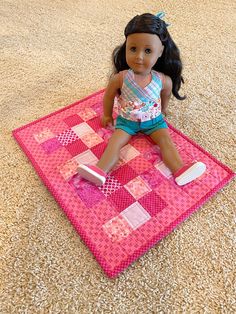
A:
[147, 71]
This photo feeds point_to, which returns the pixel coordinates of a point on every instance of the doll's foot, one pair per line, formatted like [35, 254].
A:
[189, 172]
[92, 174]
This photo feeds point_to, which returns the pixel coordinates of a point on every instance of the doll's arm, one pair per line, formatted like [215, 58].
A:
[166, 93]
[108, 100]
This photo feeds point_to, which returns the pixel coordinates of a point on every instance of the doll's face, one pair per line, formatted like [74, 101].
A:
[142, 52]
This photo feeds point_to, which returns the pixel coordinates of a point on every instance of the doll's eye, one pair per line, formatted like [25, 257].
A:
[148, 51]
[133, 49]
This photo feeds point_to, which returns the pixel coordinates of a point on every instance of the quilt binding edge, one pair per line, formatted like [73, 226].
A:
[112, 273]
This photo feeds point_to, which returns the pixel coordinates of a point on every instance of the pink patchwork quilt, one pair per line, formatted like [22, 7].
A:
[139, 203]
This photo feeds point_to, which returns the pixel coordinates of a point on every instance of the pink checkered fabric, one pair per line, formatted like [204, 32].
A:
[140, 202]
[67, 137]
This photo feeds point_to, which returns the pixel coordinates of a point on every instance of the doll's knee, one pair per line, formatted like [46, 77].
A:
[114, 147]
[164, 141]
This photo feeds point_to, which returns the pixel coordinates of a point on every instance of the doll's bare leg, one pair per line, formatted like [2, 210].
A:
[97, 174]
[183, 174]
[111, 154]
[169, 153]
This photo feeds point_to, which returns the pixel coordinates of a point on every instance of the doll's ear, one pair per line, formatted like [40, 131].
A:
[161, 51]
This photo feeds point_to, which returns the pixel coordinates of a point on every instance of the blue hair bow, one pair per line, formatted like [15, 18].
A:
[160, 15]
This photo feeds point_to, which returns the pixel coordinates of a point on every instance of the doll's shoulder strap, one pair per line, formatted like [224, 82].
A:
[122, 75]
[161, 76]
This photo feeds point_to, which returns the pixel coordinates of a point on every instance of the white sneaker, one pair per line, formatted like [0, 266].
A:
[189, 172]
[92, 174]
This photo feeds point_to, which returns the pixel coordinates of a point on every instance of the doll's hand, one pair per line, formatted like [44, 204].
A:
[106, 120]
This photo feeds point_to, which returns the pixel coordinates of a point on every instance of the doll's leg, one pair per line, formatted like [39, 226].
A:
[111, 154]
[97, 174]
[183, 174]
[170, 154]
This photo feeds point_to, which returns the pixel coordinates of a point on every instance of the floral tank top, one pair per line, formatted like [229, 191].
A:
[140, 104]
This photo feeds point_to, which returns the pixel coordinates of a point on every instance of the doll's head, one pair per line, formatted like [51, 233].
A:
[167, 57]
[142, 52]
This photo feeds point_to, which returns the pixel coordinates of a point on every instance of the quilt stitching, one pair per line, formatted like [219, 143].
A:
[139, 203]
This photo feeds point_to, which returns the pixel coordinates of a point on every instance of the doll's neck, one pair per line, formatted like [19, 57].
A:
[142, 79]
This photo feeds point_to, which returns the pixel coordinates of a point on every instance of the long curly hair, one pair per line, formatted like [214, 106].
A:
[169, 63]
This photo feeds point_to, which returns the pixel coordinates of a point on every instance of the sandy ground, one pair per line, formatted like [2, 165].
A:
[56, 52]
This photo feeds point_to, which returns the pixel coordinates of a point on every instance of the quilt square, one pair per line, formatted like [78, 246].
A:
[137, 187]
[152, 230]
[121, 199]
[98, 108]
[95, 124]
[76, 147]
[67, 137]
[84, 189]
[133, 243]
[51, 145]
[104, 210]
[142, 144]
[152, 177]
[87, 157]
[117, 228]
[91, 139]
[186, 157]
[82, 129]
[175, 196]
[135, 215]
[69, 169]
[124, 174]
[140, 164]
[218, 173]
[128, 152]
[153, 203]
[196, 189]
[99, 149]
[110, 186]
[44, 135]
[139, 204]
[73, 120]
[105, 134]
[57, 158]
[163, 169]
[167, 216]
[209, 181]
[87, 114]
[153, 155]
[58, 128]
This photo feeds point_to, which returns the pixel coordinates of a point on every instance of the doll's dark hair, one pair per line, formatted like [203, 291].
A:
[169, 63]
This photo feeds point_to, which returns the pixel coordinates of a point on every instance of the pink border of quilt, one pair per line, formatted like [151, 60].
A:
[114, 272]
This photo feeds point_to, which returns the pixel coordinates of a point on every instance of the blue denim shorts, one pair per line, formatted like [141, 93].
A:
[146, 127]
